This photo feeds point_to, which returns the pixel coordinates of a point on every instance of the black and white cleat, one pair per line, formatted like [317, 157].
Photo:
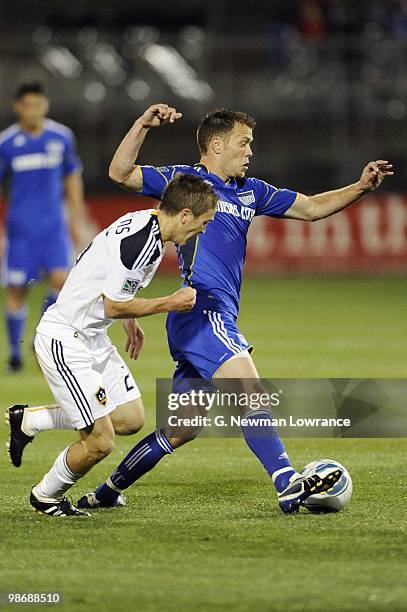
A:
[17, 440]
[61, 507]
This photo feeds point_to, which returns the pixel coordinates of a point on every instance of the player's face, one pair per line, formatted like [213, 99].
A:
[31, 110]
[191, 226]
[236, 151]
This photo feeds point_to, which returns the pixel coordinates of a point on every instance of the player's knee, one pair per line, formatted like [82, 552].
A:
[131, 426]
[16, 298]
[128, 419]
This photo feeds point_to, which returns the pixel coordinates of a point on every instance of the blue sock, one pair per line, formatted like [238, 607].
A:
[140, 460]
[15, 323]
[49, 300]
[268, 447]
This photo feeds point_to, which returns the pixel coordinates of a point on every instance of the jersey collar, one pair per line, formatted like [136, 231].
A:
[232, 182]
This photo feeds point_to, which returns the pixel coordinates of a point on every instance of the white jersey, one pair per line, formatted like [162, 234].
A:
[120, 261]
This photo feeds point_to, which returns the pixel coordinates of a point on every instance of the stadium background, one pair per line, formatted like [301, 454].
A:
[326, 81]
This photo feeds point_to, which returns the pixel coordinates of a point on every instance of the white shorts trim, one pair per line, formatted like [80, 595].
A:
[88, 383]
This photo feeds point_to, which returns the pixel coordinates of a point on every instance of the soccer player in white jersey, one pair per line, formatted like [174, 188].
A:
[95, 392]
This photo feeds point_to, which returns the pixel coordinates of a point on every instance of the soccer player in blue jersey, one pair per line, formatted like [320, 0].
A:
[38, 158]
[206, 342]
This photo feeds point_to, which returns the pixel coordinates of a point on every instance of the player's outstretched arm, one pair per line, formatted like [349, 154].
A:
[183, 299]
[321, 205]
[123, 169]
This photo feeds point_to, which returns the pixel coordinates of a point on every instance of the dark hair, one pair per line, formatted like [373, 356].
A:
[219, 123]
[31, 87]
[188, 191]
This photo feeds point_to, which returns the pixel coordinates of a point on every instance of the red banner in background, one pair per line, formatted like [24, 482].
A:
[370, 236]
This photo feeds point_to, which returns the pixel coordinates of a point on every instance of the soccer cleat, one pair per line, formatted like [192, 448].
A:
[14, 365]
[91, 501]
[303, 487]
[18, 440]
[60, 507]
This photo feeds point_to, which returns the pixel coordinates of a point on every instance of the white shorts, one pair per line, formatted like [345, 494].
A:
[88, 378]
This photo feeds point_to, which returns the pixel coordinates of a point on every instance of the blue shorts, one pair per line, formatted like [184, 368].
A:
[201, 340]
[27, 257]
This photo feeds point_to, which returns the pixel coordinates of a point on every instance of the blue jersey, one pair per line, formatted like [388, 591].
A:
[36, 166]
[212, 262]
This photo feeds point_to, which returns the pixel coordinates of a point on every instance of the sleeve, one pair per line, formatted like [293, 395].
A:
[272, 201]
[71, 161]
[120, 283]
[155, 179]
[123, 276]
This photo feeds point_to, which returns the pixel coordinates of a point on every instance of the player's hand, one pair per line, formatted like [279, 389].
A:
[158, 114]
[183, 299]
[135, 338]
[373, 174]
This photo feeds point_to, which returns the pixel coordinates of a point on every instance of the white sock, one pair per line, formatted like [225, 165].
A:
[57, 481]
[44, 418]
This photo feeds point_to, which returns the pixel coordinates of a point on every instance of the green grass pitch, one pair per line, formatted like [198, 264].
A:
[203, 532]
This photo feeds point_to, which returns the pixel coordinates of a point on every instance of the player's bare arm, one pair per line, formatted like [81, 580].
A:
[74, 192]
[183, 299]
[319, 206]
[123, 169]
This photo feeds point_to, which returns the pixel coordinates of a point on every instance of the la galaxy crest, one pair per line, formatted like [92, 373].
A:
[101, 396]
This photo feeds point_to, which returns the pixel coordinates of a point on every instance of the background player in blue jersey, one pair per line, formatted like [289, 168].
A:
[38, 158]
[206, 341]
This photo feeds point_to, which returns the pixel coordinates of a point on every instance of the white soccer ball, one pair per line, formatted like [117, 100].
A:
[340, 494]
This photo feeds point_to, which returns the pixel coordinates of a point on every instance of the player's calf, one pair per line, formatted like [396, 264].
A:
[128, 419]
[96, 442]
[187, 425]
[138, 462]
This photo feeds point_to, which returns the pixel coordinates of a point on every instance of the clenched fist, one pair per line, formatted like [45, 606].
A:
[183, 299]
[158, 114]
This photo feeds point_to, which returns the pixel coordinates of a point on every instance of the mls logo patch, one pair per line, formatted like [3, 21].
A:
[247, 198]
[130, 286]
[101, 396]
